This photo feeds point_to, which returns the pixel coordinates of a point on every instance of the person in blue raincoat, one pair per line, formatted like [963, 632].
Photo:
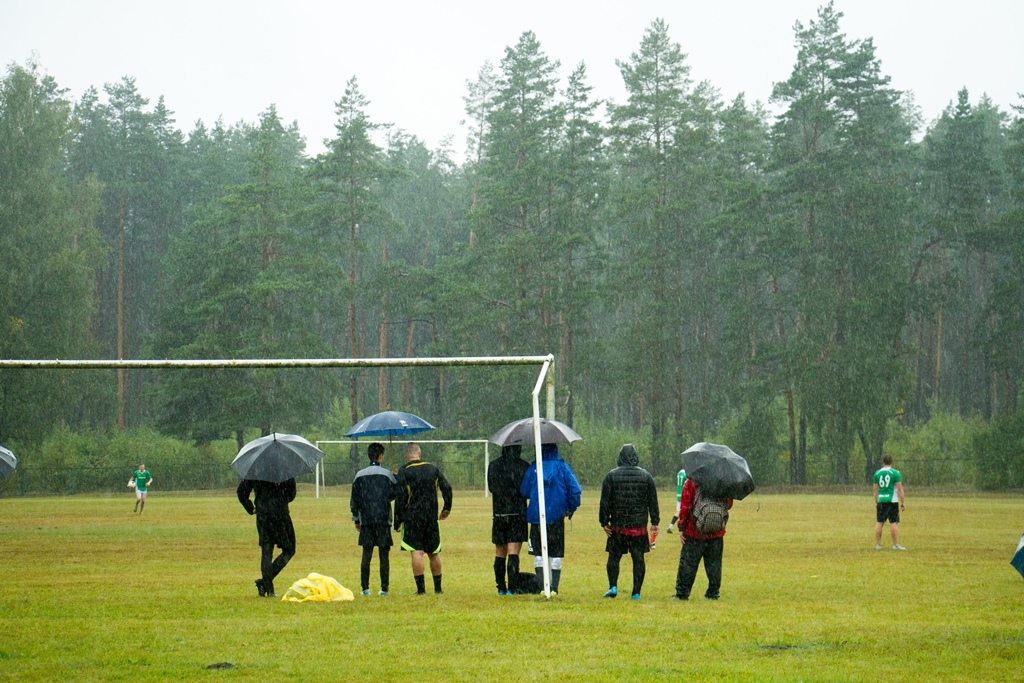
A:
[561, 498]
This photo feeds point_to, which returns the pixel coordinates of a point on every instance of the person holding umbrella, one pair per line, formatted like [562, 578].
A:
[628, 497]
[697, 546]
[508, 528]
[273, 524]
[561, 498]
[416, 514]
[373, 489]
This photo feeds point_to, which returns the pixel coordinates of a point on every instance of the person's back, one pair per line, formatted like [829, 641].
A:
[628, 493]
[418, 484]
[373, 489]
[504, 476]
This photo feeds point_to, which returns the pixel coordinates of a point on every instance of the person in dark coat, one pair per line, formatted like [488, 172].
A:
[373, 489]
[628, 498]
[274, 525]
[416, 514]
[697, 546]
[508, 528]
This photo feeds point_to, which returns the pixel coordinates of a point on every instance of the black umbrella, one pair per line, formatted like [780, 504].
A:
[520, 433]
[718, 471]
[276, 458]
[8, 462]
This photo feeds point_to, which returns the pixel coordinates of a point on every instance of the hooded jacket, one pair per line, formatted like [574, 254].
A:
[628, 494]
[561, 490]
[504, 476]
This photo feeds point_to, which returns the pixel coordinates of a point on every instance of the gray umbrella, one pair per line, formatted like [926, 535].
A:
[276, 458]
[520, 433]
[8, 462]
[718, 471]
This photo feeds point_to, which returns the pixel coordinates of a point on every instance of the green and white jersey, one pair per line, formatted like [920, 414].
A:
[680, 480]
[141, 479]
[886, 480]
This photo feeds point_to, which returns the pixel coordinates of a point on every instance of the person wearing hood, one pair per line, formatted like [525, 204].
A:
[508, 528]
[628, 498]
[561, 498]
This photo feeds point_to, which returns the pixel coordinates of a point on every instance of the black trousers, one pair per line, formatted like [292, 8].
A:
[639, 569]
[693, 551]
[270, 567]
[384, 554]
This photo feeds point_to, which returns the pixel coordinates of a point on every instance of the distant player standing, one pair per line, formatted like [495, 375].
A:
[142, 479]
[889, 500]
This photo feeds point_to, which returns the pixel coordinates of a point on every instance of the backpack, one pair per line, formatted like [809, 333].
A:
[710, 515]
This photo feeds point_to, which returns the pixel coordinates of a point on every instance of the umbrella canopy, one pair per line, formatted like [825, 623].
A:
[276, 458]
[1018, 557]
[389, 423]
[8, 462]
[718, 470]
[520, 433]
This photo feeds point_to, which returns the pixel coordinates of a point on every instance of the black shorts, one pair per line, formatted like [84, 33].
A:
[556, 539]
[276, 530]
[620, 544]
[425, 537]
[887, 512]
[507, 529]
[375, 536]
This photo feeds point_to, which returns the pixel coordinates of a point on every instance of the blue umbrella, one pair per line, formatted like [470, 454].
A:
[390, 423]
[1018, 557]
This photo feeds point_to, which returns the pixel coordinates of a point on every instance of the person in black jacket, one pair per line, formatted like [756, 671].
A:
[416, 513]
[274, 525]
[628, 498]
[508, 528]
[373, 489]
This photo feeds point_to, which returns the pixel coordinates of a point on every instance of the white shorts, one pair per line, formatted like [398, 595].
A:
[140, 495]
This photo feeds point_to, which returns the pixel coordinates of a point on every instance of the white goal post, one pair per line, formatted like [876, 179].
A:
[545, 376]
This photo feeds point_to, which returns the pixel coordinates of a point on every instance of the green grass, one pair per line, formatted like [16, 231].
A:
[91, 592]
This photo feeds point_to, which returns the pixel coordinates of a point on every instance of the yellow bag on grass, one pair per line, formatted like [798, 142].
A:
[317, 588]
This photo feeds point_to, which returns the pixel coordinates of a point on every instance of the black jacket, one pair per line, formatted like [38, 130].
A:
[504, 476]
[628, 494]
[273, 521]
[373, 489]
[416, 499]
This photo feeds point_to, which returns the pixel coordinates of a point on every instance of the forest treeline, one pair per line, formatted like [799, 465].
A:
[809, 280]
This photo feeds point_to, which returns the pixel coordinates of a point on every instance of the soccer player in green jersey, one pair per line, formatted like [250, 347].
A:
[142, 479]
[680, 481]
[889, 500]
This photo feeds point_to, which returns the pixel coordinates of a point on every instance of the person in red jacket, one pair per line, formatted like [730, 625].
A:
[697, 546]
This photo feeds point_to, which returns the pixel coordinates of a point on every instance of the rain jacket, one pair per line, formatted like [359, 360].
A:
[686, 519]
[628, 494]
[273, 521]
[373, 489]
[504, 476]
[561, 490]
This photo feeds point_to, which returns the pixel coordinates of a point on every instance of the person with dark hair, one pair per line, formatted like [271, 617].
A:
[274, 525]
[373, 489]
[508, 508]
[889, 500]
[697, 546]
[416, 514]
[628, 498]
[561, 498]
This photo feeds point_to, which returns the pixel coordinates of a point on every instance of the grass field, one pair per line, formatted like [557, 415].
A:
[91, 592]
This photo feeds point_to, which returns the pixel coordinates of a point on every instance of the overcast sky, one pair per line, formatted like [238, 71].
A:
[231, 59]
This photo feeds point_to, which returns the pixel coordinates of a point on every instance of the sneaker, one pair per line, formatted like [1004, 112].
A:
[260, 589]
[711, 596]
[898, 547]
[612, 592]
[878, 547]
[366, 591]
[438, 591]
[635, 596]
[383, 594]
[271, 594]
[680, 597]
[502, 592]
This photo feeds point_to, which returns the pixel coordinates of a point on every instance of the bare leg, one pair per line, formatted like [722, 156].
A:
[894, 529]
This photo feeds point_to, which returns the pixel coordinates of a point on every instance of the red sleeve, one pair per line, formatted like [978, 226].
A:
[686, 502]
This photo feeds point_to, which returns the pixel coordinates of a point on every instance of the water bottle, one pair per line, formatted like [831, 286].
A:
[654, 537]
